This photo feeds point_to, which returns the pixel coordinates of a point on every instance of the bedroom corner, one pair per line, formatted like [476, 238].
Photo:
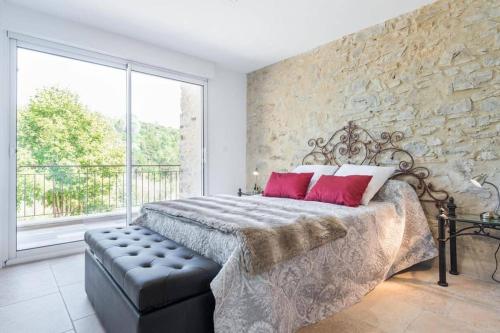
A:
[431, 73]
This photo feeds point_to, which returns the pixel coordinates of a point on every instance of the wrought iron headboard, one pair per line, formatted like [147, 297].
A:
[355, 145]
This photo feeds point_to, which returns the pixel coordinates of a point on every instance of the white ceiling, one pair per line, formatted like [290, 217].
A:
[243, 35]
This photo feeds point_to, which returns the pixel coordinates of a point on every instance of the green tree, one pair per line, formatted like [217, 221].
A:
[56, 129]
[155, 144]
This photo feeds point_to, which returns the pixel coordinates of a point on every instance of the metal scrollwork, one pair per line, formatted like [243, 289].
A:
[476, 230]
[355, 145]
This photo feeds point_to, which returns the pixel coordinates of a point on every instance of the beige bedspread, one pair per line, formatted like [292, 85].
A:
[388, 235]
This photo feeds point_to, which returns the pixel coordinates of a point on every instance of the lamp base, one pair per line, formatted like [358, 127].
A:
[489, 216]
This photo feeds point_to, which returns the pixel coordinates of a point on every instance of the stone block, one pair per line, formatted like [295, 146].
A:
[417, 148]
[481, 76]
[483, 120]
[393, 83]
[376, 85]
[451, 71]
[390, 100]
[424, 83]
[491, 104]
[407, 113]
[454, 108]
[484, 92]
[490, 61]
[487, 155]
[359, 86]
[472, 80]
[462, 83]
[402, 24]
[494, 13]
[452, 140]
[404, 88]
[470, 67]
[472, 19]
[438, 121]
[485, 134]
[426, 130]
[364, 102]
[456, 55]
[435, 142]
[462, 149]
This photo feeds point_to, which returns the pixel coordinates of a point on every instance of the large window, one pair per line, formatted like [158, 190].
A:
[97, 139]
[166, 132]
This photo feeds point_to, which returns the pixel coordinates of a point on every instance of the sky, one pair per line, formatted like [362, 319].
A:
[101, 88]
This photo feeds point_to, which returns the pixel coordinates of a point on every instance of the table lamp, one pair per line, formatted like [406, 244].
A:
[256, 188]
[480, 181]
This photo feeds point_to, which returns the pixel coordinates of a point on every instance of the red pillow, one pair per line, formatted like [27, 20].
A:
[288, 185]
[347, 190]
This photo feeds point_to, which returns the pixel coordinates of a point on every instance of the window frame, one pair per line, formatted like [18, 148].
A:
[16, 41]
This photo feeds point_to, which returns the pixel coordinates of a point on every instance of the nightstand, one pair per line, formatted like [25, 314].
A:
[471, 225]
[241, 193]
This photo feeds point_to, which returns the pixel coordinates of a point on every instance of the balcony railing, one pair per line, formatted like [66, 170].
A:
[55, 191]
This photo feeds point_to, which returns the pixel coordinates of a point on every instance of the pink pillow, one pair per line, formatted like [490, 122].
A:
[288, 185]
[347, 190]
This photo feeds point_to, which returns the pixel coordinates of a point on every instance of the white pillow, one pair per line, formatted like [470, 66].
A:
[319, 170]
[380, 176]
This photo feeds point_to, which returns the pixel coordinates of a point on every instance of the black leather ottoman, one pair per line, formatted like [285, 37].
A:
[140, 281]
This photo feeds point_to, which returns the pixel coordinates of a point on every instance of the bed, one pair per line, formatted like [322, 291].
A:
[388, 235]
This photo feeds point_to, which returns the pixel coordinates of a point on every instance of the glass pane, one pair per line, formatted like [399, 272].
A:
[70, 148]
[166, 139]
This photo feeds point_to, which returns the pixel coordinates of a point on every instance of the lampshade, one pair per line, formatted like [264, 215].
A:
[255, 172]
[479, 180]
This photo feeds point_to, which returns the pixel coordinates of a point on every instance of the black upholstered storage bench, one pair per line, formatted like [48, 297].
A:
[140, 281]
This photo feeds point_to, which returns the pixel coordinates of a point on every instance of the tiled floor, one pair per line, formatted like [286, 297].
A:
[413, 302]
[46, 296]
[49, 296]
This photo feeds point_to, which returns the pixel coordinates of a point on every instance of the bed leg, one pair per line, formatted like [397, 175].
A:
[453, 239]
[442, 249]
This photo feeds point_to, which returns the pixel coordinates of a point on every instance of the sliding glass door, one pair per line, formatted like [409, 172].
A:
[97, 139]
[70, 148]
[166, 138]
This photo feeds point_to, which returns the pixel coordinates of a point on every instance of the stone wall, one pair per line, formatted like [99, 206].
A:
[190, 183]
[433, 73]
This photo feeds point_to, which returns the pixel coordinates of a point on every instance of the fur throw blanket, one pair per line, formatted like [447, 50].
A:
[269, 232]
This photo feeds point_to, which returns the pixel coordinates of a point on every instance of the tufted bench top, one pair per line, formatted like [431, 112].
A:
[152, 271]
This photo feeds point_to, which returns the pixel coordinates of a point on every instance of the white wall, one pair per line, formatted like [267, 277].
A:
[226, 112]
[226, 132]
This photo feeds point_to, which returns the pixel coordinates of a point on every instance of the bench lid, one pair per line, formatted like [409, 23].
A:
[151, 270]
